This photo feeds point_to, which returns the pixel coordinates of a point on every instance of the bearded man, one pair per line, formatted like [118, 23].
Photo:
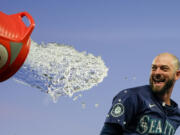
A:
[148, 109]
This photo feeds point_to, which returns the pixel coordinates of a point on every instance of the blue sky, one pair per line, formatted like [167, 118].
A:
[127, 34]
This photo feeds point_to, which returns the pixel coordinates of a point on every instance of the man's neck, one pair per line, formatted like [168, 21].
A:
[167, 97]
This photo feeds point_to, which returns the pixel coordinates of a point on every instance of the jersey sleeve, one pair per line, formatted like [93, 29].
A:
[124, 109]
[111, 129]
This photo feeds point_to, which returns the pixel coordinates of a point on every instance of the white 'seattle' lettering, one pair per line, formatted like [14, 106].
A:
[148, 125]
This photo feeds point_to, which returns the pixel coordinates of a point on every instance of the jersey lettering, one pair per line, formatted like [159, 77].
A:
[148, 125]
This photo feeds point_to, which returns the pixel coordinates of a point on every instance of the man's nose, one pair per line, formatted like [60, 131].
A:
[158, 71]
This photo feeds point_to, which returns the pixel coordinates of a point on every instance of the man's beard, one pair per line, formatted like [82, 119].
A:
[165, 89]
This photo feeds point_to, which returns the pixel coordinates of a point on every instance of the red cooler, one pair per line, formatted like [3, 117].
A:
[14, 42]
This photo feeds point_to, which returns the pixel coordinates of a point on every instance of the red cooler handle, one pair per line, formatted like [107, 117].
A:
[31, 26]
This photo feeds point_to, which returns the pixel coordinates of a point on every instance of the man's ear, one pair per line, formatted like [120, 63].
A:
[177, 74]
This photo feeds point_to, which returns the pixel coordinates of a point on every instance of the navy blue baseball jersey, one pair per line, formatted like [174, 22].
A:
[139, 112]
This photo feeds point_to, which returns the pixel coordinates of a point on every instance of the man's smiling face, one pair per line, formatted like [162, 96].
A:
[162, 76]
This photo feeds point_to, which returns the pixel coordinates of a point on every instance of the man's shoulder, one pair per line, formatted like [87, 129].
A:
[143, 90]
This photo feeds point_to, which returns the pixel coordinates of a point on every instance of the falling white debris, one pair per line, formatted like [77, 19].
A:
[61, 70]
[20, 82]
[80, 95]
[96, 105]
[129, 78]
[75, 98]
[83, 105]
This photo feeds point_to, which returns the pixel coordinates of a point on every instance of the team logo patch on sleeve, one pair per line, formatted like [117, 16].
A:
[117, 110]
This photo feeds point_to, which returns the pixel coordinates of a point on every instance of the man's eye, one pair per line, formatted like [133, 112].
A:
[165, 69]
[154, 68]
